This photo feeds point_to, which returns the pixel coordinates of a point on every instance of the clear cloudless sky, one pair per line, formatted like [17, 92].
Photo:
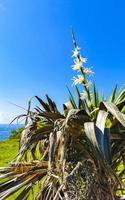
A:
[36, 48]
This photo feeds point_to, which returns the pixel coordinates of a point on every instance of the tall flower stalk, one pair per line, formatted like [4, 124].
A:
[78, 66]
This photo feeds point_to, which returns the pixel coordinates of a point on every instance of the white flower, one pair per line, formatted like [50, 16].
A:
[83, 60]
[77, 66]
[78, 63]
[76, 52]
[78, 80]
[88, 71]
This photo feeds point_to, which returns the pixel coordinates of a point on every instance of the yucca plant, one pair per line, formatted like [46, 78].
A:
[75, 155]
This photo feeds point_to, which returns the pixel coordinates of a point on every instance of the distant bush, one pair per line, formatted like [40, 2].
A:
[15, 134]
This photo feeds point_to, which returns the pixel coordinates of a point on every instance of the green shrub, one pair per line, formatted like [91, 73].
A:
[15, 134]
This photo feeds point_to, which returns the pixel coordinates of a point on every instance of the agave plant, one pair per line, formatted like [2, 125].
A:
[75, 155]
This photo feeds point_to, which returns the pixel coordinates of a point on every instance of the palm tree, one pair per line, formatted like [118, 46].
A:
[78, 154]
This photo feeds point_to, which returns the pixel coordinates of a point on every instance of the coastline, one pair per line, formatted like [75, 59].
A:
[6, 130]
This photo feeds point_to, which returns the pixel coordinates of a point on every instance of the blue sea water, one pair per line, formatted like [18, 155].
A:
[5, 130]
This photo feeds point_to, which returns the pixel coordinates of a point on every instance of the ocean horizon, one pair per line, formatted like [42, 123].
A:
[6, 129]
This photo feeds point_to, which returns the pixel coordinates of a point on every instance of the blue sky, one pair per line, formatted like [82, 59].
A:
[36, 48]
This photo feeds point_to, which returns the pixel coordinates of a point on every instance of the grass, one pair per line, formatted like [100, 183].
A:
[8, 151]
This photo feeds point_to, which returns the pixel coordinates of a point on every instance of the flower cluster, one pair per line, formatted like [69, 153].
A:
[79, 66]
[79, 61]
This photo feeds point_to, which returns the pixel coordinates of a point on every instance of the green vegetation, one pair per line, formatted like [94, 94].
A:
[15, 134]
[8, 151]
[9, 148]
[78, 154]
